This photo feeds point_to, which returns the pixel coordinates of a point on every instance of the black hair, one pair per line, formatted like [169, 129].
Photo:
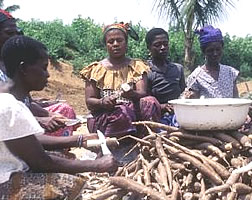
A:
[20, 49]
[150, 36]
[3, 23]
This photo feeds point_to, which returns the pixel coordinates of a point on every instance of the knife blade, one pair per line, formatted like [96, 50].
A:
[104, 147]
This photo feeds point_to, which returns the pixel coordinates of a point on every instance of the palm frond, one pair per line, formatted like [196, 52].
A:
[177, 12]
[12, 8]
[169, 9]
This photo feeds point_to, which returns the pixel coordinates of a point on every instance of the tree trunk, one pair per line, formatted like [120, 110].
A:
[189, 36]
[189, 56]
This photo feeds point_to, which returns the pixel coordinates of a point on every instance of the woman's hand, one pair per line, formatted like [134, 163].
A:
[190, 94]
[167, 108]
[108, 102]
[106, 164]
[247, 125]
[52, 123]
[130, 94]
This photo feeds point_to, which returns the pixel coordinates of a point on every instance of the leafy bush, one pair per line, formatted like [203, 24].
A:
[53, 34]
[81, 44]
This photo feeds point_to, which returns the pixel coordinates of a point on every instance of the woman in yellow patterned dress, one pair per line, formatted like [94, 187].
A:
[112, 105]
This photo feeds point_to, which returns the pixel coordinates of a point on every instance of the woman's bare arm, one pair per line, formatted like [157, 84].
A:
[31, 151]
[94, 101]
[53, 143]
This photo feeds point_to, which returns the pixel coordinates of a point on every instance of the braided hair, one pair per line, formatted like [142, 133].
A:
[150, 36]
[20, 49]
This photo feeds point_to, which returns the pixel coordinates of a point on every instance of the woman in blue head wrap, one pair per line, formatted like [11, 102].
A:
[212, 80]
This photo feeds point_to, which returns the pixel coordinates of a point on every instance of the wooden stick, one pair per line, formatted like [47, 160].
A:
[222, 188]
[243, 139]
[241, 188]
[156, 125]
[133, 186]
[202, 189]
[162, 155]
[211, 174]
[145, 164]
[228, 139]
[175, 190]
[211, 140]
[153, 164]
[163, 177]
[141, 141]
[105, 194]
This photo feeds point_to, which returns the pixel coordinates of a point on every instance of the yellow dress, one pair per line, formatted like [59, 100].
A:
[118, 122]
[109, 78]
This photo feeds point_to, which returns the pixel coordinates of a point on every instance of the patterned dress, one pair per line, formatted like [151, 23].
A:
[109, 81]
[200, 81]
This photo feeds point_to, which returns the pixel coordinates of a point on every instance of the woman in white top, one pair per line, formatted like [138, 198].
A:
[26, 171]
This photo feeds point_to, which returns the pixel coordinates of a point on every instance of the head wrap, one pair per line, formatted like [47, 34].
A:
[209, 34]
[150, 36]
[125, 28]
[4, 15]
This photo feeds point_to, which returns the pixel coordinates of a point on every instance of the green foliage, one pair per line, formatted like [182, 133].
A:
[87, 42]
[237, 53]
[56, 36]
[176, 45]
[81, 44]
[138, 49]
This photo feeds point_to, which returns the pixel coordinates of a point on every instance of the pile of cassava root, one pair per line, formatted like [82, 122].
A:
[177, 164]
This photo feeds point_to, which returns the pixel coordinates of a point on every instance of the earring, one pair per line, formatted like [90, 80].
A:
[149, 55]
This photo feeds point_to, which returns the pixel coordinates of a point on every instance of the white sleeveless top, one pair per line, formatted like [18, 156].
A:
[16, 121]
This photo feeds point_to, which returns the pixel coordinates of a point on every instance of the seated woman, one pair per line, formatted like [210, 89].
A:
[114, 108]
[166, 79]
[213, 79]
[26, 171]
[26, 61]
[8, 28]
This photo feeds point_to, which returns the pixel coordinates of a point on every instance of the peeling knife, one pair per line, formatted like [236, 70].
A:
[104, 147]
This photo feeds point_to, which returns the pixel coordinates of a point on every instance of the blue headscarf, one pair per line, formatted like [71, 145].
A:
[209, 34]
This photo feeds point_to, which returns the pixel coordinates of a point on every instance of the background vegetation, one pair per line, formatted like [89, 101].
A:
[80, 43]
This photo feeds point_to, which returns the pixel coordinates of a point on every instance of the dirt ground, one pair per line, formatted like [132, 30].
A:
[63, 81]
[71, 87]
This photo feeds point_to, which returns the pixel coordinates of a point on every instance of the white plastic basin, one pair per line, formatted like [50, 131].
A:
[211, 114]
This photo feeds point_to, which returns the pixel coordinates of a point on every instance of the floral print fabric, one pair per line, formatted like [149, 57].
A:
[207, 86]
